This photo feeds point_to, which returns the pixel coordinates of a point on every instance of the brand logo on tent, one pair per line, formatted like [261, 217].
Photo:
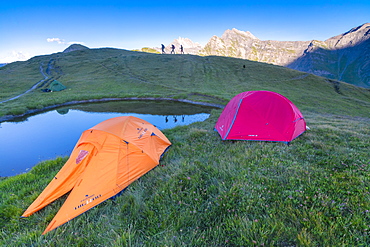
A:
[85, 202]
[143, 131]
[82, 154]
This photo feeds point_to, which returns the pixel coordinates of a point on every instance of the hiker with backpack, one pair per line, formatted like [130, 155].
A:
[173, 49]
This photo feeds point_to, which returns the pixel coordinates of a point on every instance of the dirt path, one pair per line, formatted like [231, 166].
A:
[32, 88]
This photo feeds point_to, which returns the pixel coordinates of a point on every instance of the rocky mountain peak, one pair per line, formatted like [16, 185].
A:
[233, 33]
[344, 57]
[360, 29]
[353, 37]
[186, 43]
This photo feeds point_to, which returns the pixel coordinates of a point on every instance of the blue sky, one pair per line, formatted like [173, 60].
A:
[30, 28]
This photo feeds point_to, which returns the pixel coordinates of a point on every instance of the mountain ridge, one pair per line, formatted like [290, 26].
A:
[341, 57]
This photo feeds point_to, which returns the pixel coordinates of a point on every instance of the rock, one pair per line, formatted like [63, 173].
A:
[344, 57]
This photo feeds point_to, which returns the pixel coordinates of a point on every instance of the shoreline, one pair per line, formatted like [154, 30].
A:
[75, 102]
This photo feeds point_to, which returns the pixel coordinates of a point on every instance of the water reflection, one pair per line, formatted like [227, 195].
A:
[54, 133]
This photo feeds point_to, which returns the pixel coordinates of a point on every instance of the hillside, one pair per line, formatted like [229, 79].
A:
[205, 192]
[343, 57]
[106, 73]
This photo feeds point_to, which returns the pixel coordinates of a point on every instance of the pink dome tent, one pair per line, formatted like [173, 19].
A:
[260, 116]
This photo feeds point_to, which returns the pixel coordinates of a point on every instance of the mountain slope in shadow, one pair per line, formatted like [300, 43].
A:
[349, 63]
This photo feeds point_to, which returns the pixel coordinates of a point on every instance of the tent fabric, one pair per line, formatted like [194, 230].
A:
[262, 116]
[106, 159]
[56, 86]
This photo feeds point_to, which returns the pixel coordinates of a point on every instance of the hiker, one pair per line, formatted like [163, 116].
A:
[181, 49]
[173, 49]
[163, 51]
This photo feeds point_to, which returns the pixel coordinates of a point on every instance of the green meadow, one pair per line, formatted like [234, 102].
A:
[205, 192]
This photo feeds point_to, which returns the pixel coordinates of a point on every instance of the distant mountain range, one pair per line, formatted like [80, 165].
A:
[345, 57]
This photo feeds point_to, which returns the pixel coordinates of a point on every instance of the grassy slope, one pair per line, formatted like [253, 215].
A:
[105, 73]
[207, 192]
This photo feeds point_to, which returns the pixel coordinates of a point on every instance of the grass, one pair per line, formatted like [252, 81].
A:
[107, 73]
[314, 192]
[209, 192]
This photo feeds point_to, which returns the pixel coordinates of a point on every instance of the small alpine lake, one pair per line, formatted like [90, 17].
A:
[28, 141]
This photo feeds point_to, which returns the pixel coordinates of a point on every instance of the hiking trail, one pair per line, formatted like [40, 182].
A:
[32, 88]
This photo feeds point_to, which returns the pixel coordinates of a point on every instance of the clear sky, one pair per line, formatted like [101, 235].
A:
[36, 27]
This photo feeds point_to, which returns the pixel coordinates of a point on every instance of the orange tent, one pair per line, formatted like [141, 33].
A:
[106, 159]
